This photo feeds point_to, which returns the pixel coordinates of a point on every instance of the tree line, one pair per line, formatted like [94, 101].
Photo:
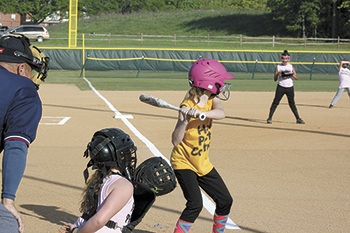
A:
[300, 18]
[314, 18]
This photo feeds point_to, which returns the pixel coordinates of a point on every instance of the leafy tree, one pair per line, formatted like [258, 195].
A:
[344, 18]
[313, 18]
[37, 10]
[153, 5]
[248, 4]
[300, 17]
[96, 7]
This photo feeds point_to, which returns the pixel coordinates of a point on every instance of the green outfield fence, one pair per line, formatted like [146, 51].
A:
[251, 61]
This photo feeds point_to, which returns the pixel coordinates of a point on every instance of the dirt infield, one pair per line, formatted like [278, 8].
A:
[284, 177]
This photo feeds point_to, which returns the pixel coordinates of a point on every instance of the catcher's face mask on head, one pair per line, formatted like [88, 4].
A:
[17, 49]
[41, 66]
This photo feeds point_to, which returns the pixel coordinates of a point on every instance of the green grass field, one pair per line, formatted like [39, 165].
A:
[183, 23]
[149, 80]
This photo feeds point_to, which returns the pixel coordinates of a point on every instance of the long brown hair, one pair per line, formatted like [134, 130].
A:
[194, 93]
[95, 182]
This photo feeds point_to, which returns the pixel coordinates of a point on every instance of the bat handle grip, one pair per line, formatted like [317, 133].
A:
[201, 116]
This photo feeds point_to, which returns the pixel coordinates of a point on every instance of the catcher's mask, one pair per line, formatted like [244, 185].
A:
[285, 57]
[17, 49]
[111, 148]
[157, 175]
[210, 75]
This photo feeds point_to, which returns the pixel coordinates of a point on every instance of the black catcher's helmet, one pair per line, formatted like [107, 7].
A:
[109, 148]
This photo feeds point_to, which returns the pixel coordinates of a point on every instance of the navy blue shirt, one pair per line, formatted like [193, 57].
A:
[20, 112]
[20, 108]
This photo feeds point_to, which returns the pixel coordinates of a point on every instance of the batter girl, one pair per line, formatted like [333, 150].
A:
[191, 139]
[285, 73]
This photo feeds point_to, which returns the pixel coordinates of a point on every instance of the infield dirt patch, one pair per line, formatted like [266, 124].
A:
[284, 177]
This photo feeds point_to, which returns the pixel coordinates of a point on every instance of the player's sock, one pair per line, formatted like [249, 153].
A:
[182, 226]
[219, 223]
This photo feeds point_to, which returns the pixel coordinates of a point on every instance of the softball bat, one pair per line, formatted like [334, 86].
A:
[157, 102]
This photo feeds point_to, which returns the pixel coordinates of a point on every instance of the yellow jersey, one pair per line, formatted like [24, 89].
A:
[192, 152]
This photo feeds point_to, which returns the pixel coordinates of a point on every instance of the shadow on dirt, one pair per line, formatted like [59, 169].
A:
[55, 215]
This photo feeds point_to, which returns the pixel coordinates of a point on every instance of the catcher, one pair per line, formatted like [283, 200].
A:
[113, 201]
[285, 73]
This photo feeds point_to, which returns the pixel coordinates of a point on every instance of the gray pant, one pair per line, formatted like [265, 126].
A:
[8, 222]
[339, 92]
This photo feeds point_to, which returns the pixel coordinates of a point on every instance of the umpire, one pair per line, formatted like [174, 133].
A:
[20, 113]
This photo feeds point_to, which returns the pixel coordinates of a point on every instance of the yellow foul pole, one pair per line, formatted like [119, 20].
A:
[73, 23]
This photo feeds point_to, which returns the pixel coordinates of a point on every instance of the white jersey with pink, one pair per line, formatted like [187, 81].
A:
[283, 81]
[122, 218]
[344, 78]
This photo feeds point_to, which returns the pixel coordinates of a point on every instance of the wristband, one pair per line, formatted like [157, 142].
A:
[73, 229]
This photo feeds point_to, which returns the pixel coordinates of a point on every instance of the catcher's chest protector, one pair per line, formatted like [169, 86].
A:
[144, 199]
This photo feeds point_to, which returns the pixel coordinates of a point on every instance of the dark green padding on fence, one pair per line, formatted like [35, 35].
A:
[181, 60]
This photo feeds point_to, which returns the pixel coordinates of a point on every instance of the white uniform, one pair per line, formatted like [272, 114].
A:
[285, 81]
[344, 78]
[344, 83]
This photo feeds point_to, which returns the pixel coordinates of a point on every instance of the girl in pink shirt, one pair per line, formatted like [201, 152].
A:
[285, 73]
[108, 200]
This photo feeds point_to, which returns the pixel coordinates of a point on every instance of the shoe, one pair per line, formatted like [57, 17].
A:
[331, 106]
[269, 120]
[300, 121]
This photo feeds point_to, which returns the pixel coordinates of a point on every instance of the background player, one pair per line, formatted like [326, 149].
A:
[20, 113]
[285, 73]
[191, 140]
[344, 81]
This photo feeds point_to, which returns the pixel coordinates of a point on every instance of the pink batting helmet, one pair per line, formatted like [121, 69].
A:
[208, 74]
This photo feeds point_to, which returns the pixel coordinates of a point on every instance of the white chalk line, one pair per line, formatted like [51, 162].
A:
[61, 122]
[207, 203]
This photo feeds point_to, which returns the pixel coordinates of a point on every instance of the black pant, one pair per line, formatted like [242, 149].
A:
[280, 91]
[212, 184]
